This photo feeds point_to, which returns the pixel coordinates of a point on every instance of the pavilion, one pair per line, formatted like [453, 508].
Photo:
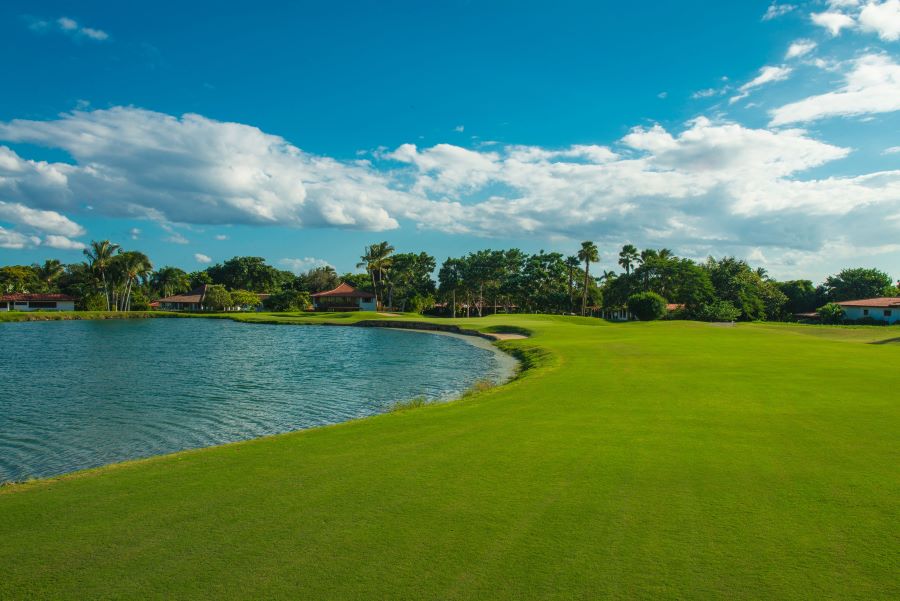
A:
[344, 298]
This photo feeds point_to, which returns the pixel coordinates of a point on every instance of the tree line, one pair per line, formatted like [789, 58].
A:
[650, 283]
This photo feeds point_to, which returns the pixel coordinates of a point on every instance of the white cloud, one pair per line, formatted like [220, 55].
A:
[708, 92]
[62, 243]
[68, 26]
[221, 237]
[872, 86]
[299, 266]
[767, 74]
[834, 22]
[776, 10]
[882, 18]
[892, 150]
[800, 48]
[201, 258]
[662, 95]
[459, 128]
[15, 240]
[135, 233]
[137, 163]
[45, 221]
[176, 238]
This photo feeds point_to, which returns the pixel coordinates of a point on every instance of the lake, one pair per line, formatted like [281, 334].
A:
[79, 394]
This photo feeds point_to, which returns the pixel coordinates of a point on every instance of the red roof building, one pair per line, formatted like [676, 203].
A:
[886, 309]
[20, 301]
[344, 298]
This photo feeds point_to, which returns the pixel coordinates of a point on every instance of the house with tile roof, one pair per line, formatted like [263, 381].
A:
[36, 302]
[344, 298]
[189, 301]
[883, 309]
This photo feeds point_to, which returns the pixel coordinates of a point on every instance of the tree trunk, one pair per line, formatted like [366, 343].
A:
[105, 289]
[374, 287]
[454, 303]
[587, 267]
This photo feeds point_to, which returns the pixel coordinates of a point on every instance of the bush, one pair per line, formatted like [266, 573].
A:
[421, 303]
[647, 306]
[288, 300]
[717, 311]
[831, 313]
[244, 298]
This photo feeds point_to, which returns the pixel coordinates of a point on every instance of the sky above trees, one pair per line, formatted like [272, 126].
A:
[301, 133]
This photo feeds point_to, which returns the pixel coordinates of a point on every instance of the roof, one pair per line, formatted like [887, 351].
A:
[20, 296]
[884, 302]
[194, 296]
[674, 306]
[345, 290]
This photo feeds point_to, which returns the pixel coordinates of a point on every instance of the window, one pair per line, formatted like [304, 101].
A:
[887, 312]
[42, 304]
[865, 311]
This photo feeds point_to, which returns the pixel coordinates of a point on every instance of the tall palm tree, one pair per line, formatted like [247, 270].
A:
[377, 260]
[135, 266]
[572, 263]
[49, 272]
[628, 257]
[589, 254]
[99, 255]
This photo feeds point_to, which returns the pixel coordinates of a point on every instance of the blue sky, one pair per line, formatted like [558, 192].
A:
[303, 131]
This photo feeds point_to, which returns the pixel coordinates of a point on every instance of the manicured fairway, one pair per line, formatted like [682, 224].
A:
[658, 460]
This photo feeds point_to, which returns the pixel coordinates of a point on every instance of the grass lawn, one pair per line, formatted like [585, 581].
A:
[643, 460]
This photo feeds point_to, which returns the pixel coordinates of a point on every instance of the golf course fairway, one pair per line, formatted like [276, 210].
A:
[629, 461]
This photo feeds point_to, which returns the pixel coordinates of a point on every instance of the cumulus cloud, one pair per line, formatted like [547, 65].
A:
[139, 163]
[45, 221]
[62, 243]
[800, 48]
[16, 240]
[892, 150]
[882, 18]
[299, 266]
[871, 86]
[201, 258]
[834, 22]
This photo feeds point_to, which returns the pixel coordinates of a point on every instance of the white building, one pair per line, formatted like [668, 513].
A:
[36, 302]
[883, 309]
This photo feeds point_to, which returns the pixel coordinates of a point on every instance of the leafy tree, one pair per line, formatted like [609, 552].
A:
[245, 298]
[450, 280]
[318, 279]
[589, 254]
[572, 265]
[198, 278]
[736, 282]
[719, 310]
[647, 306]
[250, 273]
[377, 260]
[18, 278]
[288, 300]
[856, 283]
[831, 313]
[801, 296]
[217, 298]
[410, 276]
[130, 266]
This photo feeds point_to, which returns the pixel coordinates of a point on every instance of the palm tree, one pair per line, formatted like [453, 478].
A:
[572, 263]
[99, 255]
[628, 257]
[377, 260]
[171, 280]
[49, 272]
[135, 266]
[589, 254]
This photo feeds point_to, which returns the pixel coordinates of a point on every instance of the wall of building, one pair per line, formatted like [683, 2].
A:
[366, 305]
[25, 306]
[874, 313]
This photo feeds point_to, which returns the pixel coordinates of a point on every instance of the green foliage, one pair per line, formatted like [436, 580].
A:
[250, 273]
[217, 298]
[245, 298]
[414, 403]
[19, 278]
[170, 280]
[288, 300]
[754, 295]
[831, 313]
[715, 311]
[647, 306]
[421, 303]
[801, 296]
[319, 279]
[856, 283]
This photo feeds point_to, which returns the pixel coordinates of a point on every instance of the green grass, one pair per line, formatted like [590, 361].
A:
[14, 316]
[657, 460]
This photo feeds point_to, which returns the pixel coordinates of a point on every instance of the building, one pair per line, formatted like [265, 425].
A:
[36, 302]
[190, 301]
[882, 309]
[344, 298]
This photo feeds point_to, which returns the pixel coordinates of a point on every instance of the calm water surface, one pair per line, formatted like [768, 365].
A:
[78, 394]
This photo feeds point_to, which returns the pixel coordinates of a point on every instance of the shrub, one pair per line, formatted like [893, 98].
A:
[288, 300]
[414, 403]
[647, 306]
[421, 303]
[245, 298]
[717, 311]
[831, 313]
[217, 298]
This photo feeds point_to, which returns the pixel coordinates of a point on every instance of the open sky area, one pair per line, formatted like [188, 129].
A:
[301, 132]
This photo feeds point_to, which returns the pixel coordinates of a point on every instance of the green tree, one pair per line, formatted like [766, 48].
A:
[377, 260]
[450, 281]
[801, 296]
[288, 300]
[572, 265]
[245, 298]
[647, 306]
[628, 257]
[170, 280]
[18, 278]
[250, 273]
[856, 283]
[319, 279]
[831, 313]
[49, 272]
[217, 298]
[588, 253]
[100, 254]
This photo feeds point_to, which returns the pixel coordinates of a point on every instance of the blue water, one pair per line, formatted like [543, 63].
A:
[79, 394]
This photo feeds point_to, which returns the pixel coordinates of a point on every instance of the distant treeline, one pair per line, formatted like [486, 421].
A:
[482, 282]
